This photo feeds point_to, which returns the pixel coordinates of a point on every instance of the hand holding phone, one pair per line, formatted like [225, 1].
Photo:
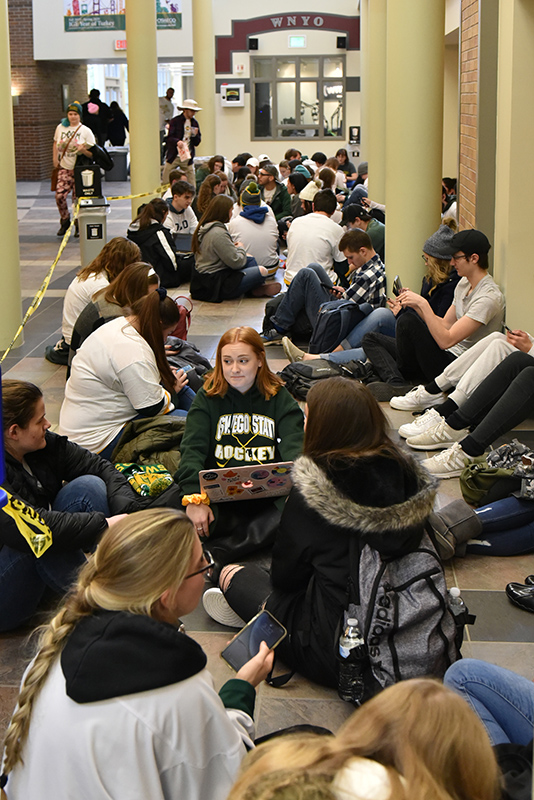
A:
[397, 286]
[257, 669]
[248, 644]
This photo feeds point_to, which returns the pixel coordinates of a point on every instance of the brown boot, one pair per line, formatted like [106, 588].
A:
[266, 290]
[63, 226]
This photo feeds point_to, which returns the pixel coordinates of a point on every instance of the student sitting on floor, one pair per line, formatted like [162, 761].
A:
[242, 416]
[117, 375]
[415, 740]
[118, 698]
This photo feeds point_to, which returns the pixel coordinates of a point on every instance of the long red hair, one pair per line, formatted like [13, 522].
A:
[267, 382]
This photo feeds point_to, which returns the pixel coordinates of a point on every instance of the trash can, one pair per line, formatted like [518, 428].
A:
[120, 164]
[93, 227]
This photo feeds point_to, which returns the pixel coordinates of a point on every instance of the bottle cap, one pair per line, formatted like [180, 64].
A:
[352, 622]
[454, 591]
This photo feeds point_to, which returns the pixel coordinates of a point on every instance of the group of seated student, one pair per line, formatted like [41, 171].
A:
[115, 674]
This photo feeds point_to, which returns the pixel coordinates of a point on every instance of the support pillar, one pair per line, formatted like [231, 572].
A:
[514, 163]
[142, 62]
[364, 78]
[414, 134]
[204, 73]
[376, 89]
[10, 262]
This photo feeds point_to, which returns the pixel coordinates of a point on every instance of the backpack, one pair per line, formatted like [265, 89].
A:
[186, 354]
[185, 307]
[300, 376]
[402, 607]
[299, 332]
[335, 319]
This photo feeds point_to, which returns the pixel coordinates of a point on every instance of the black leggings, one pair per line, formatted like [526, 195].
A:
[419, 355]
[503, 400]
[248, 590]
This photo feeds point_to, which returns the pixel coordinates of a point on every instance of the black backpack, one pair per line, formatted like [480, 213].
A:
[335, 320]
[300, 376]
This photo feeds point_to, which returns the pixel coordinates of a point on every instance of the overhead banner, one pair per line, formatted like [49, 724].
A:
[108, 15]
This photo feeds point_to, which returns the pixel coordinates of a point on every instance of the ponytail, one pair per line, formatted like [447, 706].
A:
[156, 209]
[155, 312]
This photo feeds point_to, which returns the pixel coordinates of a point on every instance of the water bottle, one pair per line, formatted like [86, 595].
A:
[352, 659]
[456, 603]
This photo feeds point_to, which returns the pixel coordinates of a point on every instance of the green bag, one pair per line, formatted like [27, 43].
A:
[478, 479]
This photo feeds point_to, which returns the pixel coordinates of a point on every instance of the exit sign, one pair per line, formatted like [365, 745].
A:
[120, 44]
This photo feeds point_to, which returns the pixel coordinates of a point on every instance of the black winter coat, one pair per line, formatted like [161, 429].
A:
[158, 248]
[379, 500]
[61, 461]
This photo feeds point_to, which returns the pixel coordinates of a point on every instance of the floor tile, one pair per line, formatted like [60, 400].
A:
[498, 620]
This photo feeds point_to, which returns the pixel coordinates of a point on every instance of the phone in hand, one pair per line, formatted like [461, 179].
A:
[506, 328]
[261, 628]
[397, 286]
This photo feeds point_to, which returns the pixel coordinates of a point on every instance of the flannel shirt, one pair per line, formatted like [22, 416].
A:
[368, 284]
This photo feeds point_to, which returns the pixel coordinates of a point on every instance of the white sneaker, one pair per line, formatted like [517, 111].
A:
[417, 399]
[438, 437]
[449, 463]
[421, 424]
[216, 605]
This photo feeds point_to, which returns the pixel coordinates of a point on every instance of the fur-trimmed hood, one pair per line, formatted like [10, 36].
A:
[337, 508]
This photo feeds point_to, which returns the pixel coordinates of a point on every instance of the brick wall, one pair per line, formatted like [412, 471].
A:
[468, 113]
[40, 105]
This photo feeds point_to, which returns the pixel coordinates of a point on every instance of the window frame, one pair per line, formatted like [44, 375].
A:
[277, 129]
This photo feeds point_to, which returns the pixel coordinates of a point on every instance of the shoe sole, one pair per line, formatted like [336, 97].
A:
[413, 407]
[274, 341]
[454, 474]
[428, 446]
[216, 606]
[516, 603]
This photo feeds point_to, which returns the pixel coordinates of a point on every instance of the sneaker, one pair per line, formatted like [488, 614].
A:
[421, 424]
[449, 463]
[417, 400]
[438, 437]
[217, 607]
[58, 353]
[293, 353]
[272, 336]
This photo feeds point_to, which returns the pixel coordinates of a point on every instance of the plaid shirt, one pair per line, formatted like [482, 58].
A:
[368, 284]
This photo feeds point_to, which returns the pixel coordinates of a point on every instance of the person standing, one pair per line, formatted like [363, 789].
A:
[182, 138]
[96, 116]
[166, 113]
[118, 125]
[70, 139]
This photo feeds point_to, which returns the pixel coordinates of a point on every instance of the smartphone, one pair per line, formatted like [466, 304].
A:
[261, 628]
[506, 328]
[397, 286]
[187, 368]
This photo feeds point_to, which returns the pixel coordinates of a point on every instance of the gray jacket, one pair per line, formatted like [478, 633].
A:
[217, 250]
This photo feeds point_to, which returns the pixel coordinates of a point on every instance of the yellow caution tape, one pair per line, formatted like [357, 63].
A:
[36, 302]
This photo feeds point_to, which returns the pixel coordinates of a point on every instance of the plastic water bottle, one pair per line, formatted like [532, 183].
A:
[352, 659]
[456, 603]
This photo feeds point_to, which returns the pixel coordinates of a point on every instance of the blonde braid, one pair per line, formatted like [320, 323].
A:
[51, 642]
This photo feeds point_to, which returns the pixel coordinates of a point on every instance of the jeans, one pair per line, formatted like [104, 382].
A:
[503, 700]
[419, 356]
[24, 578]
[308, 290]
[503, 400]
[382, 353]
[380, 320]
[507, 528]
[252, 278]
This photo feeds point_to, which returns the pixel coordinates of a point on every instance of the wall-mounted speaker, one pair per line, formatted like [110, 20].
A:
[341, 42]
[253, 44]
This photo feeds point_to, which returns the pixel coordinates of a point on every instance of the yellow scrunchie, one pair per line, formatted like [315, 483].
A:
[196, 499]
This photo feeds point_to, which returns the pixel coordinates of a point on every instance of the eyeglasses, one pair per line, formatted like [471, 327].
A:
[264, 174]
[209, 566]
[459, 256]
[425, 258]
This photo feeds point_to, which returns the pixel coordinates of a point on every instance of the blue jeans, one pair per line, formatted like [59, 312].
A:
[503, 700]
[507, 528]
[381, 320]
[24, 578]
[308, 290]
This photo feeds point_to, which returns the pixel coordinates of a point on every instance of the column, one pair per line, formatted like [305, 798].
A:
[414, 134]
[364, 77]
[142, 62]
[376, 105]
[514, 163]
[9, 233]
[204, 73]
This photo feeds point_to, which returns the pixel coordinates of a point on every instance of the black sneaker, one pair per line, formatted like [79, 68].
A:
[272, 336]
[58, 353]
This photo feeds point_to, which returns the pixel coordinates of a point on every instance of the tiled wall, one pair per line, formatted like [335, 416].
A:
[468, 112]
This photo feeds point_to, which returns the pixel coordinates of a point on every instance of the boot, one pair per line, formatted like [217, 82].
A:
[452, 527]
[76, 229]
[63, 226]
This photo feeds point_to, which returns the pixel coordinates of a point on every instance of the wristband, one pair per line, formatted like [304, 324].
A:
[196, 499]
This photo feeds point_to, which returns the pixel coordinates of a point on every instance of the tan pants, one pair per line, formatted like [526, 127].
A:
[189, 170]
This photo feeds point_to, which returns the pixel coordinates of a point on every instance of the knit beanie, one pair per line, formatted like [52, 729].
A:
[303, 170]
[251, 195]
[309, 191]
[363, 168]
[75, 106]
[439, 244]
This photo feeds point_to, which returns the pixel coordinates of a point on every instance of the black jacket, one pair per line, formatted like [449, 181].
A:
[61, 461]
[158, 248]
[379, 500]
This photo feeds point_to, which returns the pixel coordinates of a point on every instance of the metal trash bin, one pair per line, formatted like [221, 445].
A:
[93, 227]
[120, 164]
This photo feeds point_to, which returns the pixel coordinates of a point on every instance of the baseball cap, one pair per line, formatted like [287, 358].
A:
[470, 241]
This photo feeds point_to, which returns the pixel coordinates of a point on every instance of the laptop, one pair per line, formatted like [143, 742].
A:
[246, 483]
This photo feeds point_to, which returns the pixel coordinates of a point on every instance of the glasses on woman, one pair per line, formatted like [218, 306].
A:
[210, 563]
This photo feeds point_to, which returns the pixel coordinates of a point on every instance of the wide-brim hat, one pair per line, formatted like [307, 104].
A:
[191, 104]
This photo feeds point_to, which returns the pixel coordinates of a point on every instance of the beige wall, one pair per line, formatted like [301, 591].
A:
[450, 112]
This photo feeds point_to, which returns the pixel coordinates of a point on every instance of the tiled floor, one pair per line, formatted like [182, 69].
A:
[503, 634]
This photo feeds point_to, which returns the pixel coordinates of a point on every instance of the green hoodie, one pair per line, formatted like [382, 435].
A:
[237, 430]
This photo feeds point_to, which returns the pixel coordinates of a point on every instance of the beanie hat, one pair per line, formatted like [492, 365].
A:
[309, 191]
[92, 108]
[363, 168]
[251, 196]
[303, 170]
[439, 244]
[75, 106]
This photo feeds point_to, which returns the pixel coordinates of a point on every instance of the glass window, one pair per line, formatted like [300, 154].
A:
[298, 97]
